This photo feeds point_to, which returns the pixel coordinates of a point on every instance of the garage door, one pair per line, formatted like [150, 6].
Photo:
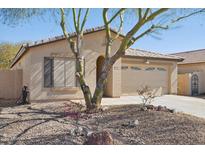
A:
[135, 76]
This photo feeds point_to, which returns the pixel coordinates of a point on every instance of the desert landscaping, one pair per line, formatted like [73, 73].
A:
[65, 122]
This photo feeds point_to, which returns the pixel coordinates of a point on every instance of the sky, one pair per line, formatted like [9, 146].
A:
[189, 34]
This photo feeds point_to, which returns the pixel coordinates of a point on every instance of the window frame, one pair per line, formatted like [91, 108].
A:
[161, 69]
[52, 82]
[150, 69]
[135, 68]
[52, 77]
[124, 67]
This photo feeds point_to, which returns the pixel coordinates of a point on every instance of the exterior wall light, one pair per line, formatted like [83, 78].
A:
[147, 61]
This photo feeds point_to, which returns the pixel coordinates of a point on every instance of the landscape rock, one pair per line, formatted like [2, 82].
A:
[136, 142]
[131, 124]
[150, 107]
[136, 122]
[104, 108]
[89, 133]
[99, 138]
[80, 131]
[159, 108]
[144, 108]
[72, 132]
[171, 110]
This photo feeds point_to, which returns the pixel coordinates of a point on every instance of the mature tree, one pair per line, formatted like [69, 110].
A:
[76, 46]
[7, 53]
[147, 21]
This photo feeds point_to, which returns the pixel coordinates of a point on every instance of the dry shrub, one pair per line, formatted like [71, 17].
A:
[147, 95]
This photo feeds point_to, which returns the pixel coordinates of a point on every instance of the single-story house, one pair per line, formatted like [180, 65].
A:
[48, 68]
[191, 72]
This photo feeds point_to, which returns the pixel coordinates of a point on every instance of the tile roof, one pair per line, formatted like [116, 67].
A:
[61, 37]
[149, 54]
[195, 56]
[129, 52]
[25, 46]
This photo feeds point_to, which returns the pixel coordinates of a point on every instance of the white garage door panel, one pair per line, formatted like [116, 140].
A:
[134, 79]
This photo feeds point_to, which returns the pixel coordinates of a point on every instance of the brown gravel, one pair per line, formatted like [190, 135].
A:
[51, 123]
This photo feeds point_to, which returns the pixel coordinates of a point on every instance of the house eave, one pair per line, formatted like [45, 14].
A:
[18, 56]
[153, 58]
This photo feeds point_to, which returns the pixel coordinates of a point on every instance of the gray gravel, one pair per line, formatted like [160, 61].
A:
[56, 122]
[40, 123]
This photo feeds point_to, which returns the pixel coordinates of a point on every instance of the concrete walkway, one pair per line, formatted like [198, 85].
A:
[190, 105]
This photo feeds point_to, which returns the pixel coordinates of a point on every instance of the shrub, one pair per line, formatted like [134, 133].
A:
[147, 95]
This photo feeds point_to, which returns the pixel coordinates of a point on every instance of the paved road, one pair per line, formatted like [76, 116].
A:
[189, 105]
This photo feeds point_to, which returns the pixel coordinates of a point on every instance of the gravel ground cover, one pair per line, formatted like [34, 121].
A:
[57, 122]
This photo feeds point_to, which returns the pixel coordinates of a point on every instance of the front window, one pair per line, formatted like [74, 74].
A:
[124, 67]
[161, 69]
[150, 69]
[135, 68]
[59, 72]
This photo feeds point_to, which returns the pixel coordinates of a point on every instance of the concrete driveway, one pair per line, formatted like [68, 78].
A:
[190, 105]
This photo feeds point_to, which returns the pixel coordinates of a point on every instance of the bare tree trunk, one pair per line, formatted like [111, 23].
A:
[99, 90]
[85, 88]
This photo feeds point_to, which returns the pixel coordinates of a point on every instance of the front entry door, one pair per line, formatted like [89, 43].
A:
[195, 85]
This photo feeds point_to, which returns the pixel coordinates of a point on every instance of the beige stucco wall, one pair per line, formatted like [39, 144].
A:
[113, 88]
[32, 63]
[190, 68]
[163, 82]
[24, 64]
[173, 72]
[10, 84]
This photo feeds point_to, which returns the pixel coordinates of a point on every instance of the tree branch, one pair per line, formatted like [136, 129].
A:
[84, 20]
[72, 44]
[108, 33]
[186, 16]
[79, 15]
[139, 10]
[116, 14]
[146, 13]
[126, 41]
[146, 32]
[156, 13]
[74, 20]
[120, 26]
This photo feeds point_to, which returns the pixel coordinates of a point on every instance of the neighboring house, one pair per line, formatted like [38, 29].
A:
[191, 72]
[48, 68]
